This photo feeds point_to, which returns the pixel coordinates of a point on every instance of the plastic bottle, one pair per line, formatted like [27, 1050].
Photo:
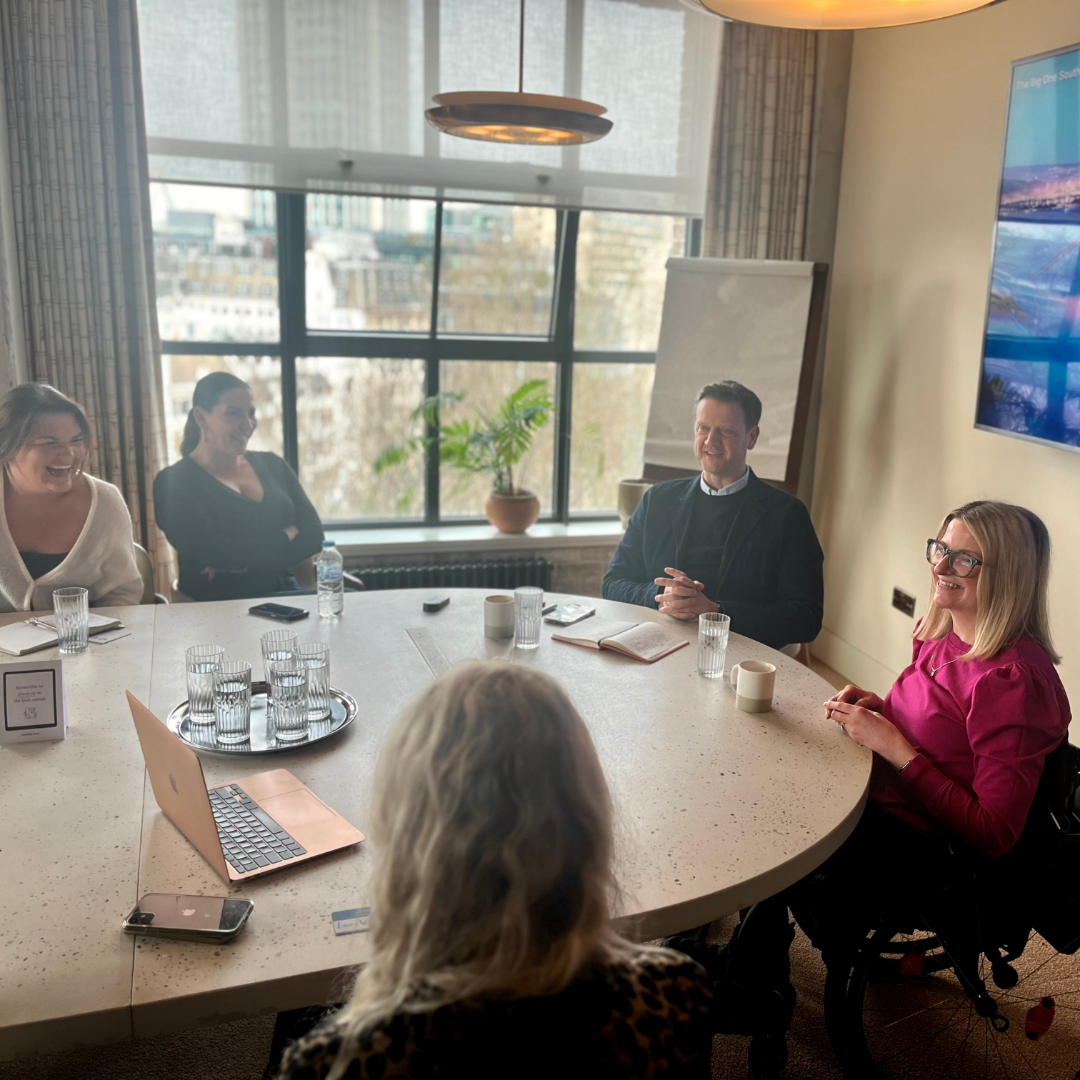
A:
[329, 566]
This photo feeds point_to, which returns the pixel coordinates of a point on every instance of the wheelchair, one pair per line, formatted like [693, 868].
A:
[948, 979]
[944, 982]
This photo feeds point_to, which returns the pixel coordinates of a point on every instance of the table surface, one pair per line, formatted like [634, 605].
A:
[715, 809]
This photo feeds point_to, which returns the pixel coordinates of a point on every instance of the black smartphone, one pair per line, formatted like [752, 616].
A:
[280, 612]
[190, 918]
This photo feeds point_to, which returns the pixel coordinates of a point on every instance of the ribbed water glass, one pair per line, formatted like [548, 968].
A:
[276, 645]
[713, 630]
[232, 702]
[288, 687]
[71, 608]
[315, 656]
[202, 662]
[528, 609]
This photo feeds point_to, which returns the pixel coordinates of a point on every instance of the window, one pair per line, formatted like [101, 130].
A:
[385, 301]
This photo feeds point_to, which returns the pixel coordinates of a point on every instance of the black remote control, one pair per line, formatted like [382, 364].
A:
[436, 603]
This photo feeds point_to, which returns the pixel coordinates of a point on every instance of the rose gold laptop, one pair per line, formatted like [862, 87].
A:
[246, 827]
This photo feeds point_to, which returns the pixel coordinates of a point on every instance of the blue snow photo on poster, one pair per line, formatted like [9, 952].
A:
[1030, 383]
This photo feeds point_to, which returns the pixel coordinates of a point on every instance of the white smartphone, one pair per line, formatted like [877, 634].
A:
[568, 614]
[189, 918]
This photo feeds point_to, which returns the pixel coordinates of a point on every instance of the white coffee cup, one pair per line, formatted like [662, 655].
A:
[753, 682]
[499, 616]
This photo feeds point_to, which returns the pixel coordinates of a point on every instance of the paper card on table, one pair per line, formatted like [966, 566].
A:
[642, 641]
[34, 702]
[351, 920]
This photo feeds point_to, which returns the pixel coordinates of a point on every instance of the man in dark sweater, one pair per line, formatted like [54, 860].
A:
[725, 540]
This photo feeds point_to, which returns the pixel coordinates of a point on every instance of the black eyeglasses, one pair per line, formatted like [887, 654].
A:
[960, 562]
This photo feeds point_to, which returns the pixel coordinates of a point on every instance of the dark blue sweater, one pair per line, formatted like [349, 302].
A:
[768, 562]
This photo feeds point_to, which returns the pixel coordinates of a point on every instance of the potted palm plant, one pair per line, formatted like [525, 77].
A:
[485, 443]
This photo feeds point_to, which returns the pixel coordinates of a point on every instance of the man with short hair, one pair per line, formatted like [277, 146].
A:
[725, 540]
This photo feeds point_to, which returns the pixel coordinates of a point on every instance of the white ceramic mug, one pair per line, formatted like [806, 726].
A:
[753, 682]
[499, 616]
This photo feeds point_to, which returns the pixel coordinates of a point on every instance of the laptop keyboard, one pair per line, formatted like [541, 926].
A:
[249, 836]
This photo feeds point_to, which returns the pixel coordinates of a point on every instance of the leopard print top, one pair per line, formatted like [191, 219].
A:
[646, 1017]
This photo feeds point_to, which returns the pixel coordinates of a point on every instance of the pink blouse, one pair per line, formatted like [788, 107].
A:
[983, 729]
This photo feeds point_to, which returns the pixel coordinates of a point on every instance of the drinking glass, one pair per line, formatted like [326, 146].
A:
[276, 645]
[232, 701]
[315, 656]
[71, 608]
[288, 686]
[712, 644]
[203, 661]
[528, 608]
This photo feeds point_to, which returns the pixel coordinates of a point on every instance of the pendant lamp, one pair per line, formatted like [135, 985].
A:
[506, 117]
[840, 14]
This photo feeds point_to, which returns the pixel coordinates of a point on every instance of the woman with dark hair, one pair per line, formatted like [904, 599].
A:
[492, 949]
[59, 527]
[238, 518]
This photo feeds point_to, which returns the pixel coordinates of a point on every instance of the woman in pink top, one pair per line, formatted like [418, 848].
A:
[960, 740]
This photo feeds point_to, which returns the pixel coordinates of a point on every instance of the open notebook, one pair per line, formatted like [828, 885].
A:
[20, 638]
[642, 641]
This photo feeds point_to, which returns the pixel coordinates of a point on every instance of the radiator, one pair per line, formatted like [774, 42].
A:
[489, 574]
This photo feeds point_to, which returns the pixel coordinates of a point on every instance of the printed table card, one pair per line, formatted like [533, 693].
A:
[34, 702]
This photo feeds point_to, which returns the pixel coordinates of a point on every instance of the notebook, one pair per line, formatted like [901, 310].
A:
[20, 638]
[642, 641]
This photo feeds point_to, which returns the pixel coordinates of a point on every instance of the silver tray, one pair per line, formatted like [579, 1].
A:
[203, 737]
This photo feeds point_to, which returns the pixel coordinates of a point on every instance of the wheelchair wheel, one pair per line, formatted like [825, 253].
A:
[897, 1009]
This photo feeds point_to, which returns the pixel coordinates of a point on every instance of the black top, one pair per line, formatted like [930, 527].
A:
[768, 575]
[644, 1018]
[242, 541]
[38, 563]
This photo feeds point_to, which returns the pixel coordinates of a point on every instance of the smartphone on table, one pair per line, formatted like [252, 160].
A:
[281, 612]
[212, 919]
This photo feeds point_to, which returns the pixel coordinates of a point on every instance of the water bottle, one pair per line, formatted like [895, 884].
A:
[329, 566]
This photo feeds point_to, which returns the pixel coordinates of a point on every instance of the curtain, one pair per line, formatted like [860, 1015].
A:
[329, 95]
[760, 167]
[81, 211]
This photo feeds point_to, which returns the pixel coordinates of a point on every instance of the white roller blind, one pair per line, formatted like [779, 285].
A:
[329, 95]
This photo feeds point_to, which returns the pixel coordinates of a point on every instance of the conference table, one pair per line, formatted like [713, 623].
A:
[715, 808]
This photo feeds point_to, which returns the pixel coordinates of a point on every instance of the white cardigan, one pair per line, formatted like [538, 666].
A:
[102, 559]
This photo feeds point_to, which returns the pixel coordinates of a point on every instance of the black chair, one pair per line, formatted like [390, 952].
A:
[944, 981]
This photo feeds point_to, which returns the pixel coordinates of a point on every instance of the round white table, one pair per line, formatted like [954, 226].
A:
[715, 808]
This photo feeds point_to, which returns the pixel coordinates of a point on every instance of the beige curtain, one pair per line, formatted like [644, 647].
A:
[760, 165]
[81, 210]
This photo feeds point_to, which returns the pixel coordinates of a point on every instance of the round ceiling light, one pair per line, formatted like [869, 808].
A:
[506, 117]
[840, 14]
[539, 119]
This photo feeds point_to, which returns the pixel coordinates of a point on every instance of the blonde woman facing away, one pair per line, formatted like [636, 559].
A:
[492, 949]
[59, 527]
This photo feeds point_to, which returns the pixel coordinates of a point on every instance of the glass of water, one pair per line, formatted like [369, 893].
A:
[315, 656]
[203, 661]
[528, 608]
[288, 687]
[71, 608]
[712, 644]
[232, 701]
[276, 645]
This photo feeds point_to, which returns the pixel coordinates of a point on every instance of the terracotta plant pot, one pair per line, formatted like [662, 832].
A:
[630, 494]
[512, 513]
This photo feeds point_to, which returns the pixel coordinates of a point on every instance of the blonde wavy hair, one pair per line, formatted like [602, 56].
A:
[1012, 582]
[492, 827]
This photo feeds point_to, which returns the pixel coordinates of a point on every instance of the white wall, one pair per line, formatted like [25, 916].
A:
[897, 447]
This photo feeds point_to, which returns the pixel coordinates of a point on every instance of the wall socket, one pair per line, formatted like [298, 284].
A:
[904, 602]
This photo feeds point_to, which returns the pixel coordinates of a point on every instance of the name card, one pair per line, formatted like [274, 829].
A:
[34, 702]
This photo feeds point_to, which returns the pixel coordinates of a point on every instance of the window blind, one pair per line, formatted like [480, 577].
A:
[329, 95]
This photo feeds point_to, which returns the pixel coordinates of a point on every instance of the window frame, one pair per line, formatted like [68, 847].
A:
[296, 340]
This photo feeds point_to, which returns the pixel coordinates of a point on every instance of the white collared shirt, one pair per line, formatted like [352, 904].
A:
[731, 489]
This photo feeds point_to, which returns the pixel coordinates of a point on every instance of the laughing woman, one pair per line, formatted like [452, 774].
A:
[239, 519]
[59, 527]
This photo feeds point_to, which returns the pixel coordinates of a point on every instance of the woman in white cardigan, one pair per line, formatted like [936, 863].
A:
[58, 526]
